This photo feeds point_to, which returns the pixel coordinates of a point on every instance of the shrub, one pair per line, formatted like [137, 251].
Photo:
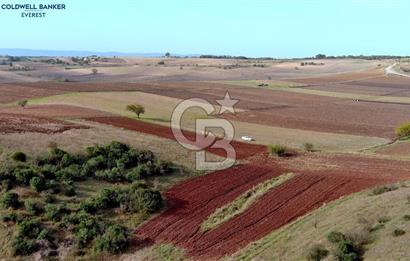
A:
[383, 189]
[114, 240]
[277, 150]
[10, 200]
[69, 190]
[22, 103]
[111, 175]
[108, 198]
[86, 228]
[317, 253]
[347, 247]
[141, 199]
[6, 185]
[23, 247]
[29, 228]
[11, 217]
[38, 184]
[335, 237]
[24, 174]
[54, 186]
[50, 199]
[308, 147]
[345, 250]
[19, 156]
[55, 212]
[398, 232]
[32, 207]
[72, 172]
[403, 130]
[406, 217]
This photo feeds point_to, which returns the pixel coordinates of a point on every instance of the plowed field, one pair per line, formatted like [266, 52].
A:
[12, 123]
[243, 150]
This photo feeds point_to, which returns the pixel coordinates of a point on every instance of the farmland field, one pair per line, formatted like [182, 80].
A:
[336, 123]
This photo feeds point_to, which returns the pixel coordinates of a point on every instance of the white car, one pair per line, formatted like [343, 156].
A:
[247, 138]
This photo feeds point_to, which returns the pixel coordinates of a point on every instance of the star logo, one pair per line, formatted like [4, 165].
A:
[227, 104]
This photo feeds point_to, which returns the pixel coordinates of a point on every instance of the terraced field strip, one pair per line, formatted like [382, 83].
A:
[241, 203]
[180, 224]
[243, 150]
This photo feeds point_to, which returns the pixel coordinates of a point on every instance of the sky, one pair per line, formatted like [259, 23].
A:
[257, 28]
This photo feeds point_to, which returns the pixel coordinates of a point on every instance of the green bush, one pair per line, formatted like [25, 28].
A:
[55, 212]
[38, 184]
[141, 199]
[403, 130]
[29, 228]
[10, 200]
[347, 248]
[346, 251]
[24, 174]
[115, 240]
[406, 217]
[72, 172]
[317, 253]
[32, 207]
[134, 174]
[112, 175]
[335, 237]
[19, 156]
[86, 228]
[23, 247]
[69, 190]
[277, 150]
[108, 198]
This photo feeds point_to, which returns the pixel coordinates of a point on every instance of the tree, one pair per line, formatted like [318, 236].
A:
[320, 56]
[94, 71]
[22, 103]
[167, 54]
[136, 108]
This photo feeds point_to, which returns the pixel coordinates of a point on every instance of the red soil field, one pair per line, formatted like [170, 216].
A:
[14, 92]
[194, 200]
[243, 150]
[14, 123]
[54, 111]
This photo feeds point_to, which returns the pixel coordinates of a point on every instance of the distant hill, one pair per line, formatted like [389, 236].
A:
[31, 52]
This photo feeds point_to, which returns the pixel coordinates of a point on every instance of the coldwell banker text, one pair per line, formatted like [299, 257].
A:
[33, 10]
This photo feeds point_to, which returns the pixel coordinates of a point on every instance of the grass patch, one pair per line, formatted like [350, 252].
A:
[241, 203]
[277, 150]
[168, 253]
